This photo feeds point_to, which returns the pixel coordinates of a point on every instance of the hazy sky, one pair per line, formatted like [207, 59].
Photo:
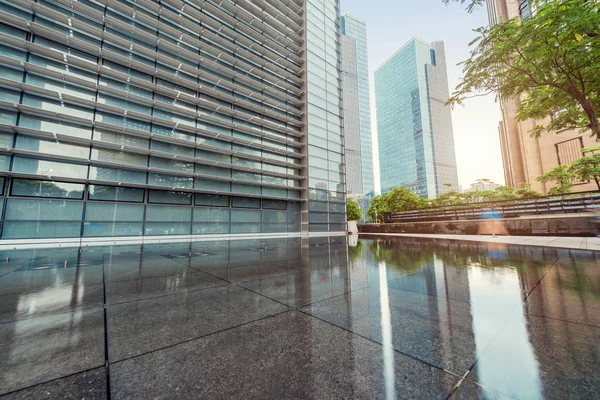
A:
[392, 23]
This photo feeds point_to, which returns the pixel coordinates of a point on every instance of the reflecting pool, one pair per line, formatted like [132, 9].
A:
[285, 318]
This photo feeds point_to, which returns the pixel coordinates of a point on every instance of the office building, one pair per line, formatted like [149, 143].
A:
[416, 140]
[351, 114]
[139, 118]
[524, 157]
[356, 29]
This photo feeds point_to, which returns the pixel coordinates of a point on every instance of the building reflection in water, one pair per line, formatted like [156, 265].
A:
[386, 334]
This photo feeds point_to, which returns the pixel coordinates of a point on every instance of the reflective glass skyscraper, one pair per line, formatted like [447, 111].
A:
[414, 126]
[137, 118]
[356, 29]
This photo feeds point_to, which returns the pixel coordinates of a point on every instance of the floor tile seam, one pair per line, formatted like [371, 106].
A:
[380, 344]
[52, 380]
[533, 314]
[316, 302]
[466, 378]
[202, 336]
[54, 314]
[272, 276]
[539, 282]
[169, 294]
[262, 295]
[457, 385]
[305, 273]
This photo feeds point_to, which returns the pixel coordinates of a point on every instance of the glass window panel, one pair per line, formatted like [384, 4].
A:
[171, 164]
[43, 210]
[119, 157]
[98, 229]
[209, 228]
[49, 168]
[172, 148]
[207, 214]
[205, 184]
[245, 228]
[248, 189]
[117, 175]
[47, 147]
[211, 200]
[40, 230]
[275, 204]
[169, 197]
[55, 126]
[7, 117]
[246, 202]
[33, 188]
[57, 106]
[170, 181]
[168, 213]
[118, 138]
[169, 228]
[114, 212]
[274, 228]
[114, 193]
[275, 217]
[6, 140]
[11, 96]
[215, 171]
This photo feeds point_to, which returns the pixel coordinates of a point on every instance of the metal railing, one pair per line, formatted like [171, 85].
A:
[570, 203]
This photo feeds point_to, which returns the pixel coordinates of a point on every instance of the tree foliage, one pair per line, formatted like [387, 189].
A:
[548, 62]
[353, 211]
[471, 4]
[587, 168]
[563, 178]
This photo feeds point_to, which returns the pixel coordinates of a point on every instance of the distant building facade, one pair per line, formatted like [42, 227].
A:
[416, 139]
[524, 157]
[482, 185]
[355, 29]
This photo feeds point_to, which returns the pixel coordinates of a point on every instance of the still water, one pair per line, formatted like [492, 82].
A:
[331, 318]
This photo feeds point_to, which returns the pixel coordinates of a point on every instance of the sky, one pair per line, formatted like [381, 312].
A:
[392, 23]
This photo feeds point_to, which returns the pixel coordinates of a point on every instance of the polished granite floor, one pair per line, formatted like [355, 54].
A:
[381, 318]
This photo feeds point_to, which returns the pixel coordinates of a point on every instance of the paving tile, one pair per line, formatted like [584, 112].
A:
[303, 288]
[535, 357]
[470, 390]
[181, 280]
[41, 349]
[248, 272]
[434, 330]
[570, 291]
[288, 356]
[147, 268]
[146, 325]
[86, 385]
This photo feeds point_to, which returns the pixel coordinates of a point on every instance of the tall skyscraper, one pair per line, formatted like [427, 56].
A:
[414, 126]
[351, 118]
[356, 29]
[524, 157]
[182, 118]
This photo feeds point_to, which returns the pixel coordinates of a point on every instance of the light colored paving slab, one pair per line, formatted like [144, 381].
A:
[544, 241]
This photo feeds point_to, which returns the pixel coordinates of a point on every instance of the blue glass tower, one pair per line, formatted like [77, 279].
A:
[356, 29]
[416, 140]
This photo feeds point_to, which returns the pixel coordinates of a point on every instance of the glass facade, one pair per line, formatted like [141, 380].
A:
[130, 118]
[416, 140]
[357, 30]
[326, 161]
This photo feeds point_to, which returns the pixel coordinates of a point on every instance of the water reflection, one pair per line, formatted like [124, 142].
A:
[386, 335]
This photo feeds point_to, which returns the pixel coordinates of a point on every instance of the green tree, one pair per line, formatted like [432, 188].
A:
[377, 207]
[353, 211]
[563, 178]
[549, 62]
[402, 199]
[587, 167]
[472, 4]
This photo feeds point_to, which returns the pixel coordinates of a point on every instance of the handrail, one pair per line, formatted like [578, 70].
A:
[557, 204]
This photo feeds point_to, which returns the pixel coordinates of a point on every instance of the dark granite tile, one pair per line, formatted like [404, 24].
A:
[470, 390]
[465, 281]
[148, 268]
[435, 330]
[41, 349]
[535, 357]
[570, 291]
[302, 288]
[183, 280]
[288, 356]
[86, 385]
[142, 326]
[248, 273]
